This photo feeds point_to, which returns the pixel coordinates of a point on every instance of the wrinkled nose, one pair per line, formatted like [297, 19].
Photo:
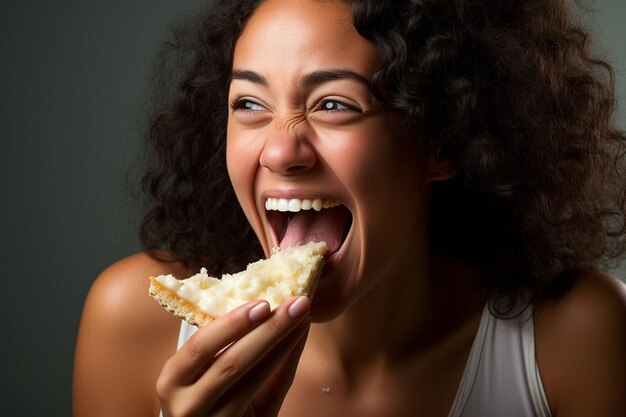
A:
[288, 151]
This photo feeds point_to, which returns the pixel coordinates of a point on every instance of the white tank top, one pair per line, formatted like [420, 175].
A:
[501, 378]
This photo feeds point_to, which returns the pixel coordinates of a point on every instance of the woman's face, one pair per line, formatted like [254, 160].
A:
[304, 129]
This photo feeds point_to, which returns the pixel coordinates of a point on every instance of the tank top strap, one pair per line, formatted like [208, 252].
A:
[186, 331]
[501, 376]
[471, 367]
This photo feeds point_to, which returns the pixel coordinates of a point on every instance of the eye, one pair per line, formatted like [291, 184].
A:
[246, 105]
[332, 105]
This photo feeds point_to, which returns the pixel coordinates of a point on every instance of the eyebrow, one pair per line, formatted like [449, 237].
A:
[318, 77]
[251, 76]
[308, 80]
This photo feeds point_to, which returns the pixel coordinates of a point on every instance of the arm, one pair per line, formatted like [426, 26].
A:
[123, 341]
[581, 348]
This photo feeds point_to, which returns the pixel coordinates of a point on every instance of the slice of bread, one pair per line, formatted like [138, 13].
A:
[201, 298]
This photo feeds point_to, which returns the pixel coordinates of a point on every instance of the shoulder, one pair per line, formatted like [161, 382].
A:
[120, 293]
[581, 347]
[596, 302]
[123, 340]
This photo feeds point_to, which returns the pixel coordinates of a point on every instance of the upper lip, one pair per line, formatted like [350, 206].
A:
[299, 194]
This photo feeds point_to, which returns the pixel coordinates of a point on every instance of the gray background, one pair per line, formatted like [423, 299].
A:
[72, 77]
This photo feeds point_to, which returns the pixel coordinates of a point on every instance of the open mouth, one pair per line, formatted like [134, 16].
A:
[299, 221]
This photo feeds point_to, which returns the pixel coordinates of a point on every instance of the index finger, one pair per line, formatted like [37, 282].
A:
[198, 352]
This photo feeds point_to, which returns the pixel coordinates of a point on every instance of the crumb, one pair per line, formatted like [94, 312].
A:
[326, 390]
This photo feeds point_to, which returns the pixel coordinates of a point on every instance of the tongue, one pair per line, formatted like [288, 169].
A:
[327, 225]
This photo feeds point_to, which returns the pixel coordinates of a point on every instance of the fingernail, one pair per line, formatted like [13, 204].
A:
[299, 307]
[259, 311]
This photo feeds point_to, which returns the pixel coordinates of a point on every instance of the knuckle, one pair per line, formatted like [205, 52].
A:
[164, 381]
[163, 386]
[226, 369]
[277, 324]
[195, 349]
[233, 321]
[274, 326]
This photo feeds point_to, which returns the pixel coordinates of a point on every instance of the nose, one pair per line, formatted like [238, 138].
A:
[288, 151]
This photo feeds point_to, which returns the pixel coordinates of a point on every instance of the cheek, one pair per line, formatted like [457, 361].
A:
[242, 162]
[233, 161]
[241, 158]
[376, 164]
[384, 176]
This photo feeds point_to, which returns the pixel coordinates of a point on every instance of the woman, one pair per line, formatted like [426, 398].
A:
[479, 182]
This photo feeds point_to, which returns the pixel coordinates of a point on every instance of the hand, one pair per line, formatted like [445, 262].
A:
[242, 363]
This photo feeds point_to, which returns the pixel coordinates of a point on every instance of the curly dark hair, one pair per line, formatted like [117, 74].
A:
[507, 89]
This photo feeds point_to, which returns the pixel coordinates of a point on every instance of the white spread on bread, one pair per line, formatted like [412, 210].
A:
[288, 272]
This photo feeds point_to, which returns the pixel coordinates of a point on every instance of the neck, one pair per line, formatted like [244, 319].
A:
[404, 316]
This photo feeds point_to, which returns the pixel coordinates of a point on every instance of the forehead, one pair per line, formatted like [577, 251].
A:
[303, 35]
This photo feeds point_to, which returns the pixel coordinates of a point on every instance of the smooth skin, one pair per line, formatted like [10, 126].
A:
[393, 322]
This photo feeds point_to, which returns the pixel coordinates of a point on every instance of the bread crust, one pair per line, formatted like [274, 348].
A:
[178, 306]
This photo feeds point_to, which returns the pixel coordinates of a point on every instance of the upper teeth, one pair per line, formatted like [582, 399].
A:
[296, 204]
